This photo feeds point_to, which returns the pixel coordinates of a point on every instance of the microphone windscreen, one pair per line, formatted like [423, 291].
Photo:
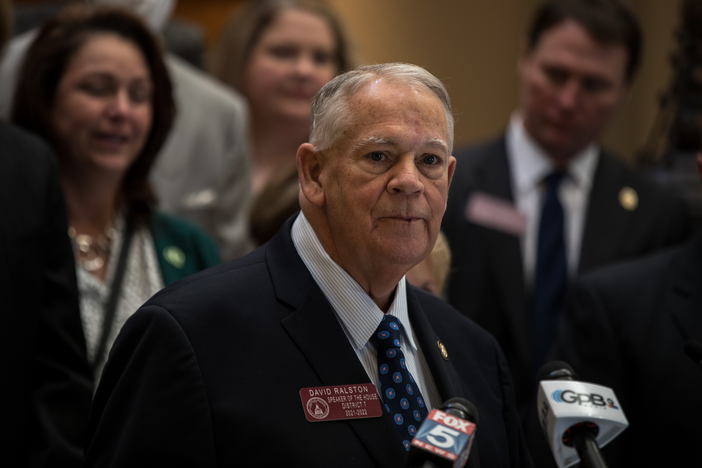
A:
[556, 370]
[468, 409]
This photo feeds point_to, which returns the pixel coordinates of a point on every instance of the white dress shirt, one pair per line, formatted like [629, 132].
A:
[358, 315]
[529, 166]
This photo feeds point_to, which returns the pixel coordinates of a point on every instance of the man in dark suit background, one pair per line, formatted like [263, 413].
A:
[625, 327]
[543, 203]
[46, 382]
[210, 371]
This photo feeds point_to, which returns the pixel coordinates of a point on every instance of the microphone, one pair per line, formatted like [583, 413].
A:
[693, 349]
[445, 437]
[577, 417]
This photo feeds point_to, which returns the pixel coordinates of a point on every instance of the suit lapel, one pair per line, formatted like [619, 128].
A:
[442, 370]
[506, 252]
[315, 330]
[605, 222]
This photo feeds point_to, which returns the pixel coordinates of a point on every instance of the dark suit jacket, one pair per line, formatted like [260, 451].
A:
[487, 281]
[624, 328]
[208, 373]
[46, 382]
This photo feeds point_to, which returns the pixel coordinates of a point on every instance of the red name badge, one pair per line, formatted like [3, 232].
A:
[340, 402]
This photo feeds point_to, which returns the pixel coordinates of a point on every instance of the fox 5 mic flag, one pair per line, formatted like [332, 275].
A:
[447, 436]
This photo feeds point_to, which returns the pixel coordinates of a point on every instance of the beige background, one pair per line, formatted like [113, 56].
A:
[473, 45]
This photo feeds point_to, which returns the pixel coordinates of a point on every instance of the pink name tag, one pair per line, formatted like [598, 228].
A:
[495, 213]
[340, 402]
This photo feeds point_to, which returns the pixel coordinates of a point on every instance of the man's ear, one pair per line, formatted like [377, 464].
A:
[451, 169]
[309, 168]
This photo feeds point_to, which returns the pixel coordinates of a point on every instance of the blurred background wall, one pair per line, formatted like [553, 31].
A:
[473, 46]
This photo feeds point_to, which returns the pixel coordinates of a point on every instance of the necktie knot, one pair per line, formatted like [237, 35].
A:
[553, 180]
[387, 335]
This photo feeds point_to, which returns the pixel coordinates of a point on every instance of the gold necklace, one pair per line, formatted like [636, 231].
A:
[91, 253]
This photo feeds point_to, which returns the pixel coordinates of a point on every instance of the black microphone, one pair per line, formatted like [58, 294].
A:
[577, 417]
[693, 349]
[445, 437]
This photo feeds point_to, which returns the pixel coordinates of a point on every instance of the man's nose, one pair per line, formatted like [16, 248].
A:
[568, 95]
[405, 177]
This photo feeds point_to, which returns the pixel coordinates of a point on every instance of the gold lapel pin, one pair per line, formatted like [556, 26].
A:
[442, 350]
[628, 198]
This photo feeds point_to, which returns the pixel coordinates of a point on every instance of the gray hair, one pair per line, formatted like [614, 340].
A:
[330, 108]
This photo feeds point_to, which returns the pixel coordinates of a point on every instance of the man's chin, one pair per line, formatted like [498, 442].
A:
[402, 255]
[560, 150]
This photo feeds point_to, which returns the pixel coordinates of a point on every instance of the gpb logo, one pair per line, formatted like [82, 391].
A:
[571, 397]
[557, 396]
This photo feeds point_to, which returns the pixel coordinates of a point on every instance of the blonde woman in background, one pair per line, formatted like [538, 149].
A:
[278, 54]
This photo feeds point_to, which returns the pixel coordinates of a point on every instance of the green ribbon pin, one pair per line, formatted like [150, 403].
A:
[174, 256]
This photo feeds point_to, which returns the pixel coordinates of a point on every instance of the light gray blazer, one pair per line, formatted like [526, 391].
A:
[203, 173]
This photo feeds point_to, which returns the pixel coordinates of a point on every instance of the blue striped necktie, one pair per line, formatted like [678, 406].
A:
[401, 395]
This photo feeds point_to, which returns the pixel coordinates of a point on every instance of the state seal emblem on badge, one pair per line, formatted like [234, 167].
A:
[317, 408]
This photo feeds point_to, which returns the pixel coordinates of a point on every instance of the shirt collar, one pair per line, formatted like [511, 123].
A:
[356, 311]
[530, 164]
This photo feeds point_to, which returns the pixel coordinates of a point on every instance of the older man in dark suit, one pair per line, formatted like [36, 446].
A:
[219, 369]
[544, 203]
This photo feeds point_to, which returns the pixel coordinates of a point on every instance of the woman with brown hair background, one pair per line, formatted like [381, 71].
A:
[95, 87]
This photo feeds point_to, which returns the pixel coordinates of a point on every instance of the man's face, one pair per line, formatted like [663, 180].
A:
[386, 181]
[571, 87]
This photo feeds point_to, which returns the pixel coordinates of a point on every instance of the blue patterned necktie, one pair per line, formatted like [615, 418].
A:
[401, 395]
[551, 273]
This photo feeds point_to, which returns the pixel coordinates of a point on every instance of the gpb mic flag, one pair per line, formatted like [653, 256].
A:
[568, 407]
[445, 437]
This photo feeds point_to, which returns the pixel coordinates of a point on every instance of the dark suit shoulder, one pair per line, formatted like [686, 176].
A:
[649, 192]
[629, 285]
[631, 274]
[20, 139]
[237, 277]
[25, 157]
[629, 215]
[177, 429]
[470, 159]
[482, 167]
